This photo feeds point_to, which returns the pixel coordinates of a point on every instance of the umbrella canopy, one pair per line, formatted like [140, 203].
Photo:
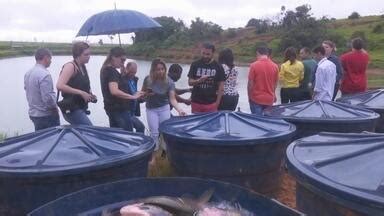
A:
[116, 22]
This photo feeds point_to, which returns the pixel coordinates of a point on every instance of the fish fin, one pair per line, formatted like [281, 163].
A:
[206, 196]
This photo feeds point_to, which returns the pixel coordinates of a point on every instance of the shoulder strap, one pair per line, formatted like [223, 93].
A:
[74, 69]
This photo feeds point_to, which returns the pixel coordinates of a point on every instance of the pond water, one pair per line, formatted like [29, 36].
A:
[14, 107]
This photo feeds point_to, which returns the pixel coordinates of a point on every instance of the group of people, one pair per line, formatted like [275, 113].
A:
[319, 76]
[119, 86]
[213, 84]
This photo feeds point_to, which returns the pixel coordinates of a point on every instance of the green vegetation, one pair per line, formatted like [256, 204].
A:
[15, 48]
[2, 136]
[176, 42]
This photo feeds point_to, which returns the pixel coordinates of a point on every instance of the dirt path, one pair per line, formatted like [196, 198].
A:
[287, 192]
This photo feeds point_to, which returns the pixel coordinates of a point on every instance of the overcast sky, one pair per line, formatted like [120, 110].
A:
[60, 20]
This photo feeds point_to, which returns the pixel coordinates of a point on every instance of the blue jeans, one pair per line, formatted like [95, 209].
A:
[137, 124]
[256, 109]
[120, 120]
[45, 121]
[77, 117]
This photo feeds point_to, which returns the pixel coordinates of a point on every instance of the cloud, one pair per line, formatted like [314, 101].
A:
[65, 17]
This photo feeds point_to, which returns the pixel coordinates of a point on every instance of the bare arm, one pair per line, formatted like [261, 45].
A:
[174, 103]
[220, 93]
[62, 83]
[115, 91]
[182, 91]
[180, 99]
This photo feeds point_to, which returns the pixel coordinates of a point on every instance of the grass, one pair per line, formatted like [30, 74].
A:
[16, 48]
[2, 136]
[376, 81]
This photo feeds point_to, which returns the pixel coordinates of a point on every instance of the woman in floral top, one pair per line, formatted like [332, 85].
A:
[231, 96]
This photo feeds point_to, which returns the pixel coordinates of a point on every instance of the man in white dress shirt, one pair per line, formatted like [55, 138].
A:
[41, 97]
[325, 76]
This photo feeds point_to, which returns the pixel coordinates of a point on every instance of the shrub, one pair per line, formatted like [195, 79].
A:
[230, 33]
[378, 29]
[354, 15]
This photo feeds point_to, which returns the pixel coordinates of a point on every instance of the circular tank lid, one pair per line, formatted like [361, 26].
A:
[318, 111]
[373, 99]
[72, 149]
[348, 166]
[228, 127]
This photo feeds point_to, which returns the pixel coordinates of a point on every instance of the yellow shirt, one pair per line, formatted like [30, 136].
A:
[290, 75]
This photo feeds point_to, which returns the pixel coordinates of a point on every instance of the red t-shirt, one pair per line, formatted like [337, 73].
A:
[263, 77]
[354, 78]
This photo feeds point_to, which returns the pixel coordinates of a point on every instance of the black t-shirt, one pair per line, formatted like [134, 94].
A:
[205, 93]
[112, 103]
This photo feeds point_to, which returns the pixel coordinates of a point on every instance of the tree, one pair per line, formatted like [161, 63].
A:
[354, 15]
[260, 25]
[300, 29]
[111, 37]
[292, 18]
[204, 30]
[169, 27]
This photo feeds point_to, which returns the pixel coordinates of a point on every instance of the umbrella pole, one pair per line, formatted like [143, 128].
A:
[119, 39]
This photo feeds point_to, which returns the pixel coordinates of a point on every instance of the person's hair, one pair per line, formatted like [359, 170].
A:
[226, 57]
[357, 43]
[319, 49]
[114, 52]
[78, 48]
[262, 50]
[290, 54]
[41, 53]
[269, 52]
[129, 64]
[208, 45]
[152, 74]
[331, 44]
[175, 69]
[306, 50]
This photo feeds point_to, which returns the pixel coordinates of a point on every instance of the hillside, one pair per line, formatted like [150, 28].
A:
[243, 41]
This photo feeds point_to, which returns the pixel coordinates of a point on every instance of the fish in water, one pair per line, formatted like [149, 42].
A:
[171, 206]
[142, 209]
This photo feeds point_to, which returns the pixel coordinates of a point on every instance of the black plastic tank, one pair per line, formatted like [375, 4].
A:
[372, 100]
[39, 167]
[312, 117]
[235, 147]
[108, 198]
[338, 173]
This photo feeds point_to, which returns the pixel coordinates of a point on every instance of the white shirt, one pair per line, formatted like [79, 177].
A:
[325, 80]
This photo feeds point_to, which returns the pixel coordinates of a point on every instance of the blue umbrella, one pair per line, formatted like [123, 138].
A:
[116, 22]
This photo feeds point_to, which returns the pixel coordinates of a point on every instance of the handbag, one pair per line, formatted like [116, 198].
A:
[66, 105]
